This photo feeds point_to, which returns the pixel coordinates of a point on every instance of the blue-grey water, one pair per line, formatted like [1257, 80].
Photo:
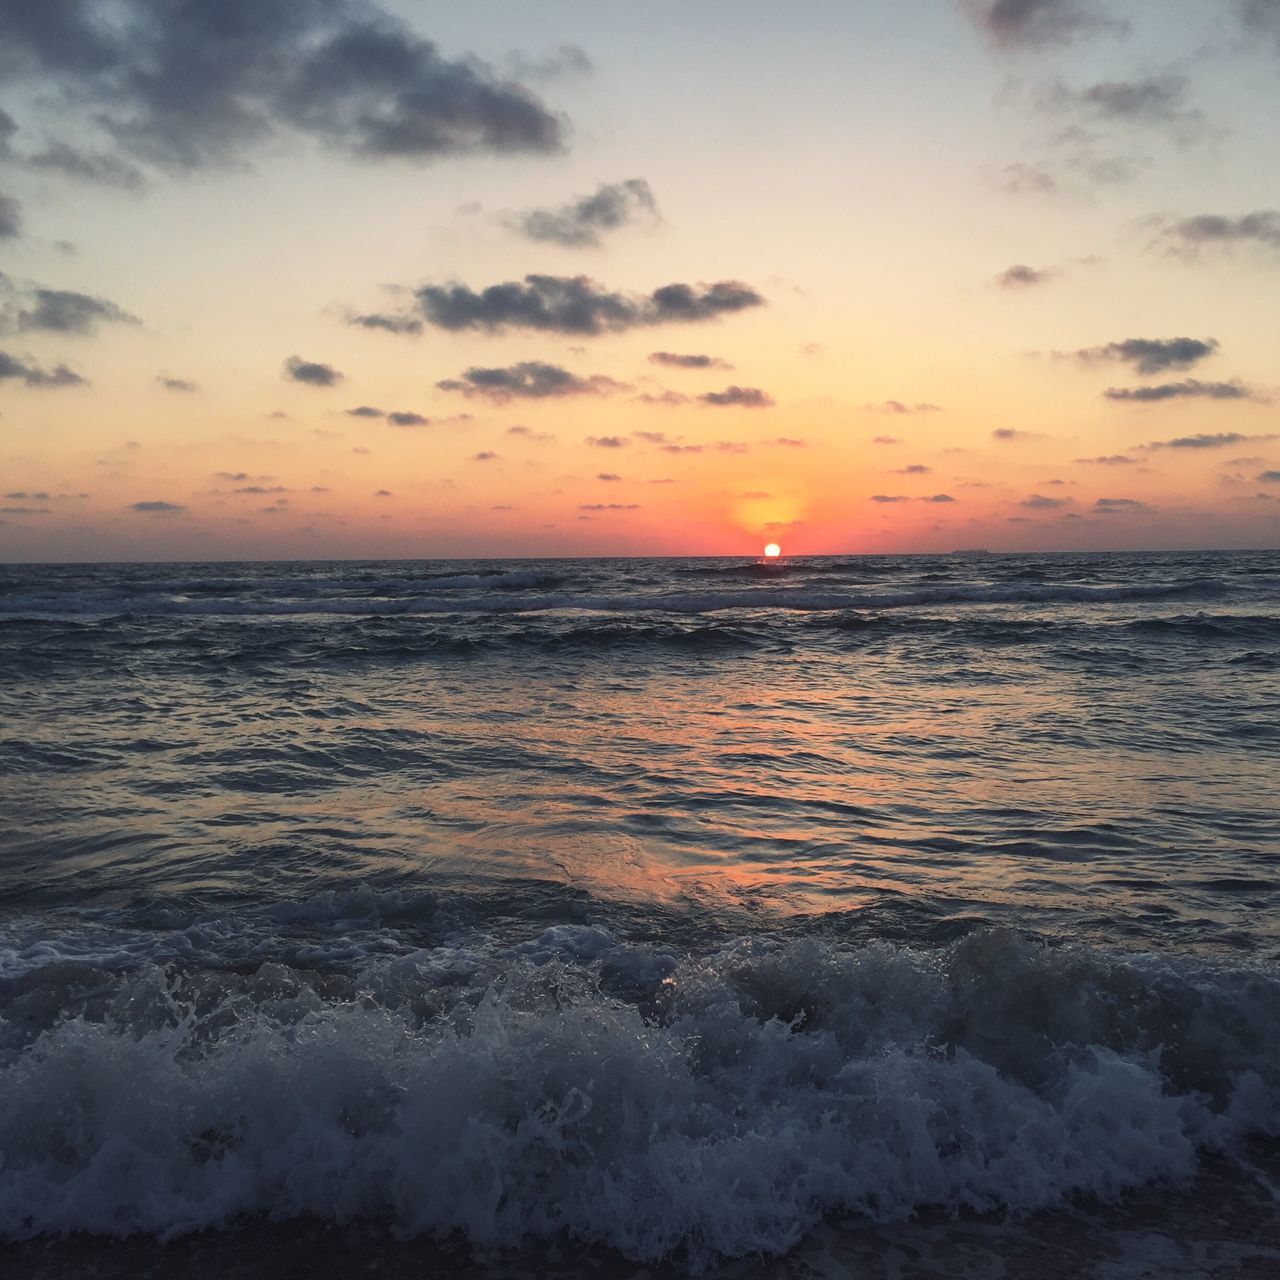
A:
[672, 908]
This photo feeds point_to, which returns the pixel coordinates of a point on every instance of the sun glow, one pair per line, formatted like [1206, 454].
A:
[773, 550]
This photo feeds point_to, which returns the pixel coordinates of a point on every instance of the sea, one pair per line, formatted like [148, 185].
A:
[839, 916]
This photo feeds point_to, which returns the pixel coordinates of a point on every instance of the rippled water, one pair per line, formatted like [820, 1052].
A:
[669, 905]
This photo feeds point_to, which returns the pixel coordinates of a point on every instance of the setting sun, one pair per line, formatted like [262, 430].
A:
[773, 550]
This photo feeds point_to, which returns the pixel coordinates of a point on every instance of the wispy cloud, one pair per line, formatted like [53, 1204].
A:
[583, 222]
[1187, 389]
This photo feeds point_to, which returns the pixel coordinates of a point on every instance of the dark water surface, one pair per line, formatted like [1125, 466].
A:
[671, 908]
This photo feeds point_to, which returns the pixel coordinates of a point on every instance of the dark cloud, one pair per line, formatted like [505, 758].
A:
[10, 217]
[608, 476]
[609, 506]
[1020, 276]
[1150, 102]
[311, 372]
[581, 223]
[528, 433]
[1151, 355]
[1038, 502]
[885, 440]
[742, 397]
[183, 385]
[1262, 16]
[388, 324]
[1188, 388]
[888, 497]
[651, 437]
[183, 85]
[1119, 506]
[1215, 230]
[407, 418]
[382, 493]
[1269, 477]
[577, 305]
[260, 490]
[162, 508]
[915, 469]
[1110, 460]
[1013, 24]
[938, 497]
[24, 511]
[608, 442]
[364, 411]
[1009, 433]
[34, 376]
[530, 380]
[485, 455]
[60, 311]
[100, 168]
[673, 360]
[1204, 441]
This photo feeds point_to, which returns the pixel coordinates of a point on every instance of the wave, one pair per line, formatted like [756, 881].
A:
[697, 1106]
[453, 600]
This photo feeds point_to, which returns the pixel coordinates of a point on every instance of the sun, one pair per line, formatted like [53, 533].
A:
[772, 550]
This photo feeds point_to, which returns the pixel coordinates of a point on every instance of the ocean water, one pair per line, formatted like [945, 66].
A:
[643, 914]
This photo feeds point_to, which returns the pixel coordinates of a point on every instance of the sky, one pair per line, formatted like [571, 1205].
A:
[293, 279]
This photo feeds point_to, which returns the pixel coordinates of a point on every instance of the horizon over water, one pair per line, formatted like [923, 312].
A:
[848, 914]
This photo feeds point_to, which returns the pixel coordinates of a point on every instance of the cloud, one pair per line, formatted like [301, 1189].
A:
[382, 493]
[260, 490]
[887, 497]
[1262, 16]
[159, 508]
[563, 61]
[34, 376]
[364, 411]
[24, 511]
[10, 217]
[39, 310]
[577, 305]
[1009, 433]
[1158, 101]
[938, 497]
[664, 399]
[184, 86]
[485, 455]
[389, 324]
[1150, 355]
[608, 476]
[580, 224]
[1014, 24]
[1188, 388]
[900, 406]
[1120, 506]
[608, 442]
[100, 168]
[1038, 502]
[311, 372]
[407, 418]
[1110, 460]
[1026, 179]
[672, 360]
[743, 397]
[1215, 230]
[609, 506]
[528, 433]
[528, 380]
[915, 469]
[885, 440]
[182, 385]
[1020, 276]
[1268, 477]
[1203, 441]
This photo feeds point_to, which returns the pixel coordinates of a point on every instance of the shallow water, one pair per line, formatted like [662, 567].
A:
[666, 907]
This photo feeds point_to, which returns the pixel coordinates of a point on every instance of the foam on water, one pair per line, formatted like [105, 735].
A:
[700, 1104]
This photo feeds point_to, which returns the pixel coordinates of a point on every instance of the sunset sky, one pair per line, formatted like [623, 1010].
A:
[320, 278]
